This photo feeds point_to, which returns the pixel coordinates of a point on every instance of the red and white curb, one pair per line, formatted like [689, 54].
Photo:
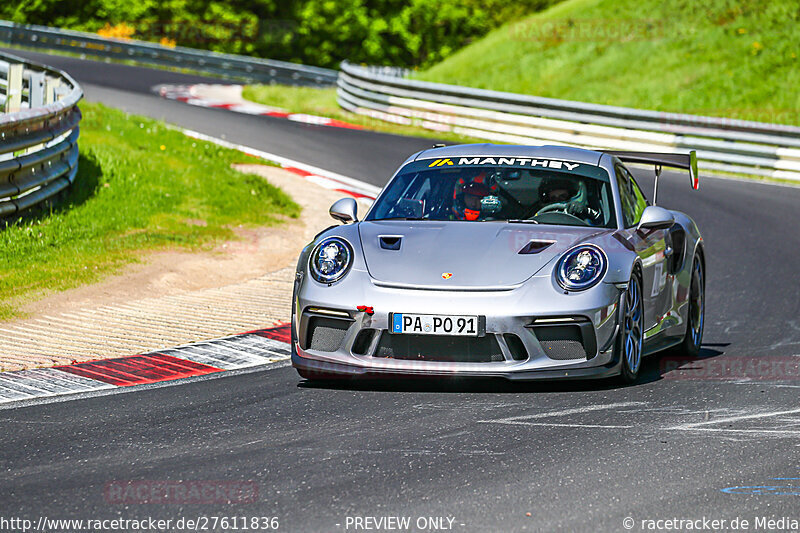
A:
[189, 94]
[322, 177]
[248, 350]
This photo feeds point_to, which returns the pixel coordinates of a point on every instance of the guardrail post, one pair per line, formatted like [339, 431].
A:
[36, 99]
[36, 90]
[14, 92]
[50, 90]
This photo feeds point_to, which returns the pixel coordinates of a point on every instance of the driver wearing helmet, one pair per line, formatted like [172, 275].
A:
[559, 194]
[467, 197]
[557, 190]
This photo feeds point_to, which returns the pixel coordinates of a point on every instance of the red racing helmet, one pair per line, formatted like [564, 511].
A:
[467, 197]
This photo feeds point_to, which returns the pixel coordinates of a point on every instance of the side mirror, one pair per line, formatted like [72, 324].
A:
[655, 217]
[344, 210]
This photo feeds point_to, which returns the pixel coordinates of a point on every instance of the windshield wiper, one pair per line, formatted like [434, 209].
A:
[400, 218]
[522, 221]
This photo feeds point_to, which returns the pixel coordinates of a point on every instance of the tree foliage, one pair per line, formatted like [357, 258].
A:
[408, 33]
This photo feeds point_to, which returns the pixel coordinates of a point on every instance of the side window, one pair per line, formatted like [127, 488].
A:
[626, 197]
[639, 201]
[631, 196]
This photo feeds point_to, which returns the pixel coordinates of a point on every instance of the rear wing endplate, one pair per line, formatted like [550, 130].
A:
[685, 161]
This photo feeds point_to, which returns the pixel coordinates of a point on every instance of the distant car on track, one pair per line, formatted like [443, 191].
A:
[519, 262]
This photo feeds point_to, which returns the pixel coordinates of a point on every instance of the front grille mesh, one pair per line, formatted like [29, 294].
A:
[440, 348]
[326, 334]
[562, 343]
[563, 350]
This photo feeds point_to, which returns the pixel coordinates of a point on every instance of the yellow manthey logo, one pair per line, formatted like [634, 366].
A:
[440, 162]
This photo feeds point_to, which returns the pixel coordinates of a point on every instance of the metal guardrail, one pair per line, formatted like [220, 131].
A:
[722, 144]
[39, 119]
[225, 65]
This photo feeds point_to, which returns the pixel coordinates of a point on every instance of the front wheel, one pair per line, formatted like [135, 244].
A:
[631, 334]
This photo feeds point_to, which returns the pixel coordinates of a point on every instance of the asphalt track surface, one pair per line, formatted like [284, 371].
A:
[576, 456]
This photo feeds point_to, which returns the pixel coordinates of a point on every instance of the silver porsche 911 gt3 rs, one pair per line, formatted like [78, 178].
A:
[523, 262]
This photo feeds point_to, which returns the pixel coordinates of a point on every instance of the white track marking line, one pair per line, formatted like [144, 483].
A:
[730, 430]
[8, 395]
[28, 386]
[233, 352]
[193, 95]
[230, 359]
[554, 424]
[48, 382]
[357, 185]
[695, 426]
[260, 356]
[198, 356]
[16, 389]
[261, 347]
[246, 352]
[523, 419]
[67, 379]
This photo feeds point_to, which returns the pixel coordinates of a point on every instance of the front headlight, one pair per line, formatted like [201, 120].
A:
[330, 260]
[581, 268]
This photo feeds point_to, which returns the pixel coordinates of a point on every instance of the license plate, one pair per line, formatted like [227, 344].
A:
[468, 326]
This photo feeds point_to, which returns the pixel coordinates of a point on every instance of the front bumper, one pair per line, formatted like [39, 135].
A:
[520, 312]
[325, 369]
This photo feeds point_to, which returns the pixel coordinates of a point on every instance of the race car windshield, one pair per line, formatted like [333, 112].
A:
[574, 194]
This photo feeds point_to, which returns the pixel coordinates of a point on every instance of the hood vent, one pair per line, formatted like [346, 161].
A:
[390, 242]
[481, 256]
[534, 247]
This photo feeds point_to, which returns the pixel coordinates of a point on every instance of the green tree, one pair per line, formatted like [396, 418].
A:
[408, 33]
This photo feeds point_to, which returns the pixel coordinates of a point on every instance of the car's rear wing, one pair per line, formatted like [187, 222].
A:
[685, 161]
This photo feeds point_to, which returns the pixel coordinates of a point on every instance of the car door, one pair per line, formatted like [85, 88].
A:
[651, 247]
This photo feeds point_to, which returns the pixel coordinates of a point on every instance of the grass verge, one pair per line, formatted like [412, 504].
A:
[140, 186]
[730, 58]
[322, 102]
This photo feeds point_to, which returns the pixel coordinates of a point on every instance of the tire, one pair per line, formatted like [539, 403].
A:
[292, 335]
[630, 339]
[695, 320]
